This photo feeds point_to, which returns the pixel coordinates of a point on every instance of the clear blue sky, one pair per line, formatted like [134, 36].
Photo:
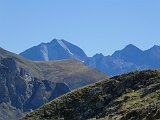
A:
[97, 26]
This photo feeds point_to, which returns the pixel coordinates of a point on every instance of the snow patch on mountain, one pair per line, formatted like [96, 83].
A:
[44, 51]
[64, 46]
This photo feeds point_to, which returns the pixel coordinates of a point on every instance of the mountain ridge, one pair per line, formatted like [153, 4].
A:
[129, 58]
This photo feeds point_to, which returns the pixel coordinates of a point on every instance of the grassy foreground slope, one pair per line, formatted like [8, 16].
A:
[131, 96]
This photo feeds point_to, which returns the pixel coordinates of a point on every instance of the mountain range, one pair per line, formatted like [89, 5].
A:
[26, 85]
[128, 59]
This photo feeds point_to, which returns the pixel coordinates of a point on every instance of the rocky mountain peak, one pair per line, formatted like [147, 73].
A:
[131, 46]
[129, 49]
[155, 48]
[57, 49]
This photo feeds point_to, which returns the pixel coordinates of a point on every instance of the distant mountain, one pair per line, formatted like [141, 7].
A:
[27, 85]
[54, 50]
[131, 96]
[110, 66]
[128, 59]
[130, 54]
[152, 56]
[134, 55]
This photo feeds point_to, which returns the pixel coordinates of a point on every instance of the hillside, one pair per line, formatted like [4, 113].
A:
[130, 96]
[27, 85]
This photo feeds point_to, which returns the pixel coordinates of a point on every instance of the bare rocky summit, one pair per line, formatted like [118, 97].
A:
[57, 49]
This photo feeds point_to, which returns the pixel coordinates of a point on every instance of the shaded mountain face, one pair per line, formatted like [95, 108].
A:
[134, 95]
[130, 54]
[55, 50]
[134, 55]
[111, 66]
[27, 85]
[152, 56]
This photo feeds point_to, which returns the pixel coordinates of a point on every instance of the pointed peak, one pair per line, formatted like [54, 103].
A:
[127, 50]
[131, 47]
[54, 40]
[155, 46]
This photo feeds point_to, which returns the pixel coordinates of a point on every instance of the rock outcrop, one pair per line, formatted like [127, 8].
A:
[131, 96]
[20, 92]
